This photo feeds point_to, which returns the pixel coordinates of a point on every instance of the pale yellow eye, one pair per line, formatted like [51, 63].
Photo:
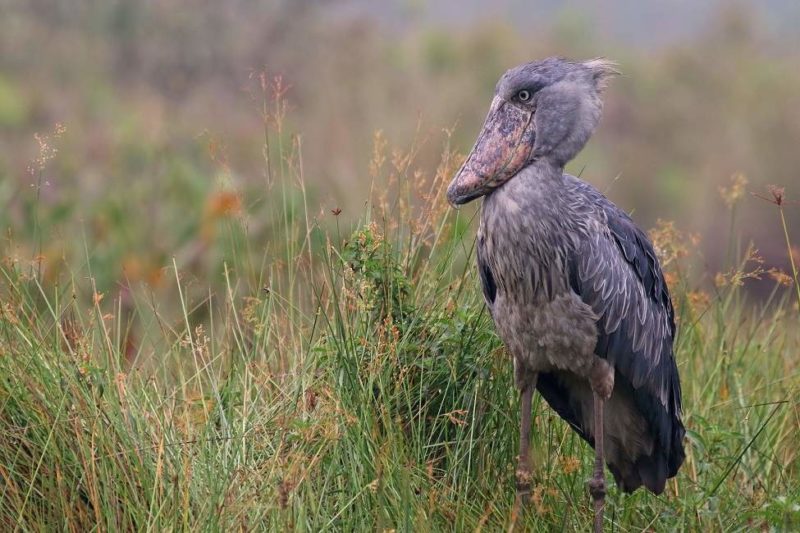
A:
[524, 95]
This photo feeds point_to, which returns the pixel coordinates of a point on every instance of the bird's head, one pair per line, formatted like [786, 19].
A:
[541, 110]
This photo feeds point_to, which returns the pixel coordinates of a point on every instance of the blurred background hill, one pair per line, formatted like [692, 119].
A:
[163, 135]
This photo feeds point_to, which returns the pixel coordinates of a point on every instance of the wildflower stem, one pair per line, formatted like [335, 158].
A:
[789, 251]
[37, 232]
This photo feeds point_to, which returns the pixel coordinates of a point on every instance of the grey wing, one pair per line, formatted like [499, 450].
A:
[616, 272]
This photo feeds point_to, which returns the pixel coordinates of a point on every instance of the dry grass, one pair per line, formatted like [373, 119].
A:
[334, 375]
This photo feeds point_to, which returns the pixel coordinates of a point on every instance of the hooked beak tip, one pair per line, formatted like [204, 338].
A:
[452, 199]
[464, 188]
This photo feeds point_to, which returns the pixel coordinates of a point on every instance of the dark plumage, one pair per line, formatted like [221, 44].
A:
[574, 287]
[635, 334]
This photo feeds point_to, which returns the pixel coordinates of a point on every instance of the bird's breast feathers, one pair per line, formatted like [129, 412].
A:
[557, 334]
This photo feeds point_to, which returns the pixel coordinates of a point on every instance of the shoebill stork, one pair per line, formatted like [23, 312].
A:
[573, 285]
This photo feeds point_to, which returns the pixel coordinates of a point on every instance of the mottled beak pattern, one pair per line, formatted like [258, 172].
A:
[503, 147]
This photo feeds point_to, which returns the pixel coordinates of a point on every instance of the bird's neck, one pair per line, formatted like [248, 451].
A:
[544, 169]
[523, 222]
[531, 199]
[541, 182]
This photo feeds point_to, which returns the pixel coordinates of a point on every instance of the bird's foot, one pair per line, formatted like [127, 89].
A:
[524, 477]
[597, 488]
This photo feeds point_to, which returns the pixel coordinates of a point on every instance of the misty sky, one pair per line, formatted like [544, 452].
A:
[645, 23]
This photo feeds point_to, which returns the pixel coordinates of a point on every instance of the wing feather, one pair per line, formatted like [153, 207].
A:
[616, 272]
[484, 271]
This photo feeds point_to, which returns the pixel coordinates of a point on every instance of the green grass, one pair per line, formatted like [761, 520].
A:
[350, 379]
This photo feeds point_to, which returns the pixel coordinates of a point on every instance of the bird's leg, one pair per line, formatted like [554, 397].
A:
[602, 382]
[597, 485]
[523, 466]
